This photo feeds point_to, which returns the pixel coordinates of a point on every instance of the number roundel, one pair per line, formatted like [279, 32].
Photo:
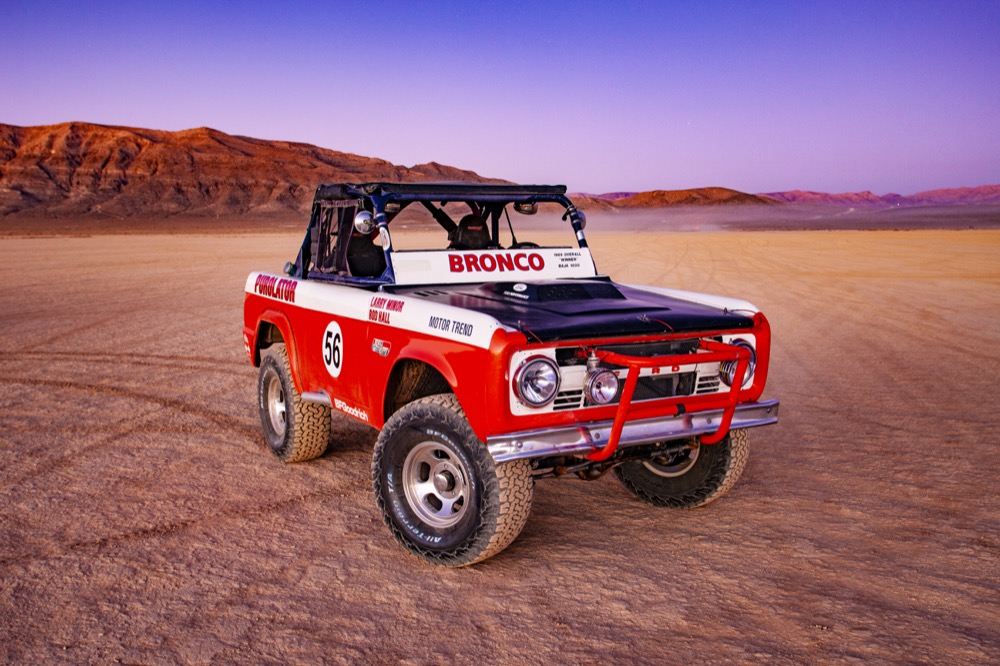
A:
[333, 349]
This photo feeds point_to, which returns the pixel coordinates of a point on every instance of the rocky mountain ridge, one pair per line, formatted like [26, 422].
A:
[959, 196]
[83, 170]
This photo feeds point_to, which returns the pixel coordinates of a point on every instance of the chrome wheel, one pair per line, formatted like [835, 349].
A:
[436, 484]
[439, 491]
[294, 430]
[676, 463]
[276, 405]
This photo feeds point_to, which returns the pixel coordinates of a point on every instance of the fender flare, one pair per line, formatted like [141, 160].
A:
[280, 321]
[439, 364]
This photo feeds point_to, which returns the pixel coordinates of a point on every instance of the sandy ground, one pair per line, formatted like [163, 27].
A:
[143, 521]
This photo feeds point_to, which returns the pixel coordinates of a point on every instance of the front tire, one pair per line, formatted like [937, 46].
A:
[438, 489]
[295, 430]
[690, 478]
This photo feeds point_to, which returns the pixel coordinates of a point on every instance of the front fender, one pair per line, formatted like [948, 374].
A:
[478, 377]
[458, 367]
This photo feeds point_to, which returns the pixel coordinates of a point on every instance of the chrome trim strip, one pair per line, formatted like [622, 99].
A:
[588, 437]
[319, 397]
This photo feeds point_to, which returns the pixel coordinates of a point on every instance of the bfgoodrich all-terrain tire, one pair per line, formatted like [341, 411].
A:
[439, 491]
[693, 477]
[295, 430]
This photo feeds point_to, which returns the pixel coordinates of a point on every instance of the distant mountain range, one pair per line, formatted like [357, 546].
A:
[960, 196]
[703, 196]
[81, 169]
[86, 170]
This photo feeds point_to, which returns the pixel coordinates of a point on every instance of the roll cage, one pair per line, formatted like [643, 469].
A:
[334, 250]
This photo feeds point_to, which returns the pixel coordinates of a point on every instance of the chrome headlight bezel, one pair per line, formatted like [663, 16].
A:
[536, 381]
[727, 369]
[601, 387]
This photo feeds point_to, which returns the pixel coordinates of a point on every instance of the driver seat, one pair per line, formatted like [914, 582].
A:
[470, 234]
[364, 257]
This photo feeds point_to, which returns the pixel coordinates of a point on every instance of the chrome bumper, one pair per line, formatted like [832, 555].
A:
[585, 438]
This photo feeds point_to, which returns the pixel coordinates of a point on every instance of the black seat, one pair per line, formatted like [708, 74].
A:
[470, 234]
[364, 257]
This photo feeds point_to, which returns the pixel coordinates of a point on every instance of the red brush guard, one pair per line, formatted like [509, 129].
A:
[710, 352]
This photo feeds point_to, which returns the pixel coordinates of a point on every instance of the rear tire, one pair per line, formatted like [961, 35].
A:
[295, 430]
[438, 489]
[691, 478]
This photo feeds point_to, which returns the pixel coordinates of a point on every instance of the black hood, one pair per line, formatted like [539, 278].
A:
[574, 309]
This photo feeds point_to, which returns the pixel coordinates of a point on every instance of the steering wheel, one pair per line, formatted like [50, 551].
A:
[519, 246]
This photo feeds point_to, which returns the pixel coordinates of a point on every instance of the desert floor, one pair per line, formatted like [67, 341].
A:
[143, 521]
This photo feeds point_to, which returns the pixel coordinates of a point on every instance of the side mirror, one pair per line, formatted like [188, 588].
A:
[525, 208]
[364, 223]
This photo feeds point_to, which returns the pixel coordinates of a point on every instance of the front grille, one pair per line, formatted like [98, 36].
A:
[707, 384]
[655, 387]
[572, 362]
[568, 400]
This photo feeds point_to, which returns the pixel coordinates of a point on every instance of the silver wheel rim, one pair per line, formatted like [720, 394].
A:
[674, 464]
[436, 484]
[276, 406]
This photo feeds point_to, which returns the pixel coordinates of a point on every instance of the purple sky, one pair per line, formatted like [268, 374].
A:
[830, 96]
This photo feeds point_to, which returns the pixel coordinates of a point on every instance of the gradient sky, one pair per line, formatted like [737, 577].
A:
[830, 96]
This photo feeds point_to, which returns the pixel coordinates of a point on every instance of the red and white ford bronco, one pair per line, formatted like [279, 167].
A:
[488, 362]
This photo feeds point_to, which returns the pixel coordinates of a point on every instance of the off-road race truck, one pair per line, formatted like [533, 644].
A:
[488, 362]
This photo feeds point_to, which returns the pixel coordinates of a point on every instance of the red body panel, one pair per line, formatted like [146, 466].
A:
[479, 377]
[363, 380]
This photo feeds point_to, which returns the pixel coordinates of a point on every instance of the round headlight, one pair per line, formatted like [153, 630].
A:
[601, 386]
[727, 370]
[536, 382]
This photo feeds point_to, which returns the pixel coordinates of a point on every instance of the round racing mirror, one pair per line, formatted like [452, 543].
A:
[364, 223]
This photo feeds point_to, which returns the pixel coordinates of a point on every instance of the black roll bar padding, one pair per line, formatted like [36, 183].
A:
[310, 244]
[574, 220]
[442, 217]
[513, 238]
[494, 212]
[444, 192]
[389, 274]
[301, 266]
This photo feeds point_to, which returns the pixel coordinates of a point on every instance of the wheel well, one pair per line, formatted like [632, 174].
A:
[411, 380]
[267, 335]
